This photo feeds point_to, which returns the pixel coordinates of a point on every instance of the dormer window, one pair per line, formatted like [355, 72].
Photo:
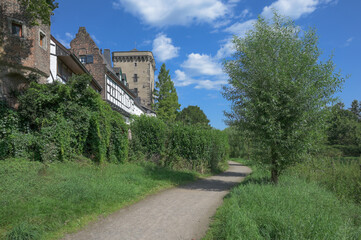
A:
[17, 29]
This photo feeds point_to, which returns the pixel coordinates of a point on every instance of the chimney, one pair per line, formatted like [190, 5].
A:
[106, 55]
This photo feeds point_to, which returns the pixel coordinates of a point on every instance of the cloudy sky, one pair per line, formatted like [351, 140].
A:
[193, 37]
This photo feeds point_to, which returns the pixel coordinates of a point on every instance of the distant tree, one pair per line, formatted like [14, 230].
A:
[193, 115]
[279, 91]
[356, 108]
[39, 10]
[165, 95]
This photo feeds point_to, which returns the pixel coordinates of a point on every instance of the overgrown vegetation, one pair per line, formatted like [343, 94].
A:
[178, 145]
[41, 201]
[61, 121]
[299, 207]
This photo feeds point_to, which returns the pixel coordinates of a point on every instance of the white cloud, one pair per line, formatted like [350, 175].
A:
[69, 35]
[226, 50]
[163, 48]
[95, 39]
[240, 28]
[207, 84]
[294, 8]
[161, 13]
[245, 13]
[182, 80]
[202, 64]
[348, 42]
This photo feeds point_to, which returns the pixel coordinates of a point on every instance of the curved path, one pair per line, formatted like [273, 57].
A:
[183, 212]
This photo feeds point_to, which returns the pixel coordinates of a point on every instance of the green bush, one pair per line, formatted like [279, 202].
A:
[149, 135]
[59, 121]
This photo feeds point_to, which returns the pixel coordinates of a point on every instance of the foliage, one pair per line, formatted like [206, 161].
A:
[165, 95]
[279, 90]
[58, 121]
[293, 209]
[238, 142]
[193, 115]
[174, 145]
[339, 175]
[40, 200]
[39, 10]
[149, 135]
[344, 129]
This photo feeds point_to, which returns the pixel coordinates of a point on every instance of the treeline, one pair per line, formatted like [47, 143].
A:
[342, 136]
[65, 122]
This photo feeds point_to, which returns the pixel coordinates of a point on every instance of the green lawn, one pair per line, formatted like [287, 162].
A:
[294, 209]
[40, 201]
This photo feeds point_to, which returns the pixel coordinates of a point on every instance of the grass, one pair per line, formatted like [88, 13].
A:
[341, 175]
[294, 209]
[40, 201]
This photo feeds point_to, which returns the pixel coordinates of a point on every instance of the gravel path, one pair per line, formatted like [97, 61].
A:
[179, 213]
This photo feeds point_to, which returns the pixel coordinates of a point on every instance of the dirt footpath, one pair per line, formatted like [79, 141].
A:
[178, 213]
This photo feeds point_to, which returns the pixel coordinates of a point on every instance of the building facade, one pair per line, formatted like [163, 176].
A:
[24, 50]
[139, 66]
[115, 91]
[64, 64]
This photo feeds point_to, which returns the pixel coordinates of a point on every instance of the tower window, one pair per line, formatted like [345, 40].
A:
[135, 78]
[17, 29]
[42, 40]
[135, 64]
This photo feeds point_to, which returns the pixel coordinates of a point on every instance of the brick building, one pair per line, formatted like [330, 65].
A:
[139, 66]
[115, 91]
[24, 49]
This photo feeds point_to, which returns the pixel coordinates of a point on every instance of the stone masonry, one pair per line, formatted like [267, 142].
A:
[139, 67]
[24, 49]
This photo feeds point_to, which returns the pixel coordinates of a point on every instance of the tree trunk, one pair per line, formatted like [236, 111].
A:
[274, 170]
[274, 175]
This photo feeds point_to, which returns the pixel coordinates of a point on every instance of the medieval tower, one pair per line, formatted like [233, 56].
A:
[139, 67]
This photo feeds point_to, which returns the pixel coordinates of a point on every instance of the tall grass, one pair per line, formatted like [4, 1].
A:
[339, 175]
[293, 209]
[40, 201]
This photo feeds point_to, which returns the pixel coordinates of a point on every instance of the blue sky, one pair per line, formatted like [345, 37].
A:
[192, 37]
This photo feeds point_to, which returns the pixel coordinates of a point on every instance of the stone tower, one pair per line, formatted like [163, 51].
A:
[139, 67]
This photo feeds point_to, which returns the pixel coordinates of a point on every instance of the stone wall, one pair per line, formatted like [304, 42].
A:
[142, 64]
[21, 54]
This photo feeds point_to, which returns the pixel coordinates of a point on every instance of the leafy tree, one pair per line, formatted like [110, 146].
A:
[279, 91]
[193, 115]
[356, 108]
[39, 10]
[166, 99]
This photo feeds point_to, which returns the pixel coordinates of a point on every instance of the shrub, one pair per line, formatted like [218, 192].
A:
[59, 121]
[149, 134]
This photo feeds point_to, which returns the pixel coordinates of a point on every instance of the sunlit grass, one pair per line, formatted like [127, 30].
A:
[44, 201]
[293, 209]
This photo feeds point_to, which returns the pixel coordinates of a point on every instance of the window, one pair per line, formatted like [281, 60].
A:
[17, 29]
[89, 58]
[135, 78]
[42, 40]
[86, 59]
[135, 64]
[136, 91]
[63, 71]
[83, 59]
